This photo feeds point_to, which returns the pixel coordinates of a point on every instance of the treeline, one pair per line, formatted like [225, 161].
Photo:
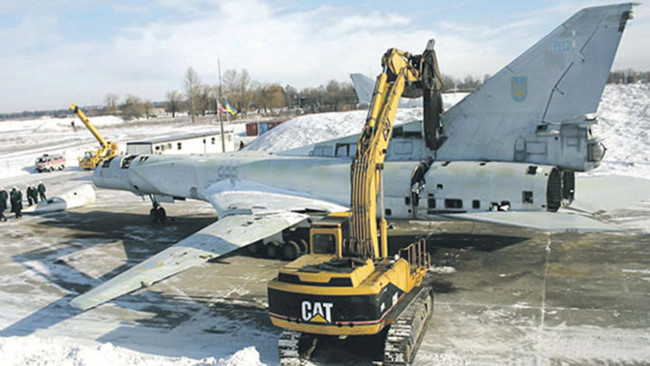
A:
[239, 95]
[628, 76]
[248, 96]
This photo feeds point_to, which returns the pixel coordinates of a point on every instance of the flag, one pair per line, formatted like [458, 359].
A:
[230, 109]
[221, 108]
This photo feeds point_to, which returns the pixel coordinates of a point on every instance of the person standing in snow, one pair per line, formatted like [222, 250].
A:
[3, 203]
[34, 194]
[30, 195]
[41, 191]
[16, 198]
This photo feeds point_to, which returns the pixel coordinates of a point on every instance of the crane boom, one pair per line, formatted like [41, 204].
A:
[90, 126]
[106, 150]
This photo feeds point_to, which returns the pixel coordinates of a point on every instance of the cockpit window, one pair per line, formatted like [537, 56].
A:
[107, 162]
[126, 162]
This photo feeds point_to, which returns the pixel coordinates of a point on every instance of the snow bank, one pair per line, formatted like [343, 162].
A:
[313, 128]
[32, 350]
[624, 124]
[55, 124]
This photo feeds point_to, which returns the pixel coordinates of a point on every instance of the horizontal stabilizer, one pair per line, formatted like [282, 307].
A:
[219, 238]
[622, 193]
[544, 221]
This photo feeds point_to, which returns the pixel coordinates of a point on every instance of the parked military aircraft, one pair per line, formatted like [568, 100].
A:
[505, 154]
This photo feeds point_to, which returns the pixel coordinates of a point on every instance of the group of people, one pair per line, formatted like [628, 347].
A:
[15, 197]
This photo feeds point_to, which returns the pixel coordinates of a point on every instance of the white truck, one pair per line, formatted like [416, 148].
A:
[48, 163]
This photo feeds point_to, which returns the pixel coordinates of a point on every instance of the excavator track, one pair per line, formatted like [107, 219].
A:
[295, 348]
[405, 334]
[288, 351]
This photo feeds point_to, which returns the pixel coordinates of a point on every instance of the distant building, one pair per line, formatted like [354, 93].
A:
[196, 143]
[260, 128]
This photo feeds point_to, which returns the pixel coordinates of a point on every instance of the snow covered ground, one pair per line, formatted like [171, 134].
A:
[624, 124]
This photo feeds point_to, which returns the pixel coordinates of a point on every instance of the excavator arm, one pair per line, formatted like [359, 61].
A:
[400, 70]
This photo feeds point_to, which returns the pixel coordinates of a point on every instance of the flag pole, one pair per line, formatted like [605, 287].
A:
[223, 137]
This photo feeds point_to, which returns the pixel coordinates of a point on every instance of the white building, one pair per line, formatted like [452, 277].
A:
[196, 143]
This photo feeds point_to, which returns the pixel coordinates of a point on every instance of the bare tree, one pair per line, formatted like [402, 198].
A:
[111, 103]
[132, 108]
[148, 107]
[448, 83]
[291, 96]
[208, 99]
[214, 99]
[192, 92]
[174, 102]
[239, 89]
[269, 96]
[486, 77]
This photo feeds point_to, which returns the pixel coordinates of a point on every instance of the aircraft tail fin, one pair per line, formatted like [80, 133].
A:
[364, 87]
[560, 77]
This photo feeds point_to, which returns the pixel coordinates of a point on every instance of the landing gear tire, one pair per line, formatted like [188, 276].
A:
[162, 214]
[157, 215]
[273, 250]
[303, 245]
[256, 248]
[290, 250]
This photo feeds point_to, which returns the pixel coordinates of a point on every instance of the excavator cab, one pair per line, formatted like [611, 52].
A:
[327, 236]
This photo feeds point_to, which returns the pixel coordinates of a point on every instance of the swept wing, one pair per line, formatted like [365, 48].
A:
[224, 236]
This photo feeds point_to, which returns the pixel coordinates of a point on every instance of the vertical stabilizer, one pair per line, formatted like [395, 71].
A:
[555, 82]
[364, 87]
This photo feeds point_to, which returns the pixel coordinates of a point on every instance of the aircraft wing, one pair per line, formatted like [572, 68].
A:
[242, 196]
[248, 212]
[544, 221]
[227, 234]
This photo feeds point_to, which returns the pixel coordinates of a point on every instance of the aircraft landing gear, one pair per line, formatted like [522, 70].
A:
[287, 250]
[157, 213]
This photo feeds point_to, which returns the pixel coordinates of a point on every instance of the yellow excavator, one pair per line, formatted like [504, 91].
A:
[348, 285]
[106, 150]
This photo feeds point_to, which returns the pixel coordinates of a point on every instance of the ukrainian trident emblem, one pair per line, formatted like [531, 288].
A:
[519, 88]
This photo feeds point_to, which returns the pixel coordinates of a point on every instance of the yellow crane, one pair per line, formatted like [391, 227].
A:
[348, 285]
[106, 150]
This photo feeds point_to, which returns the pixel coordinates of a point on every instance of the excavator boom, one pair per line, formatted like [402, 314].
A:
[399, 69]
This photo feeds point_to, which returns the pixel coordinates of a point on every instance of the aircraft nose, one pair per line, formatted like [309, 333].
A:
[109, 174]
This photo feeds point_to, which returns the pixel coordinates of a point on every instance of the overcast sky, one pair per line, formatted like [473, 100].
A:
[57, 52]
